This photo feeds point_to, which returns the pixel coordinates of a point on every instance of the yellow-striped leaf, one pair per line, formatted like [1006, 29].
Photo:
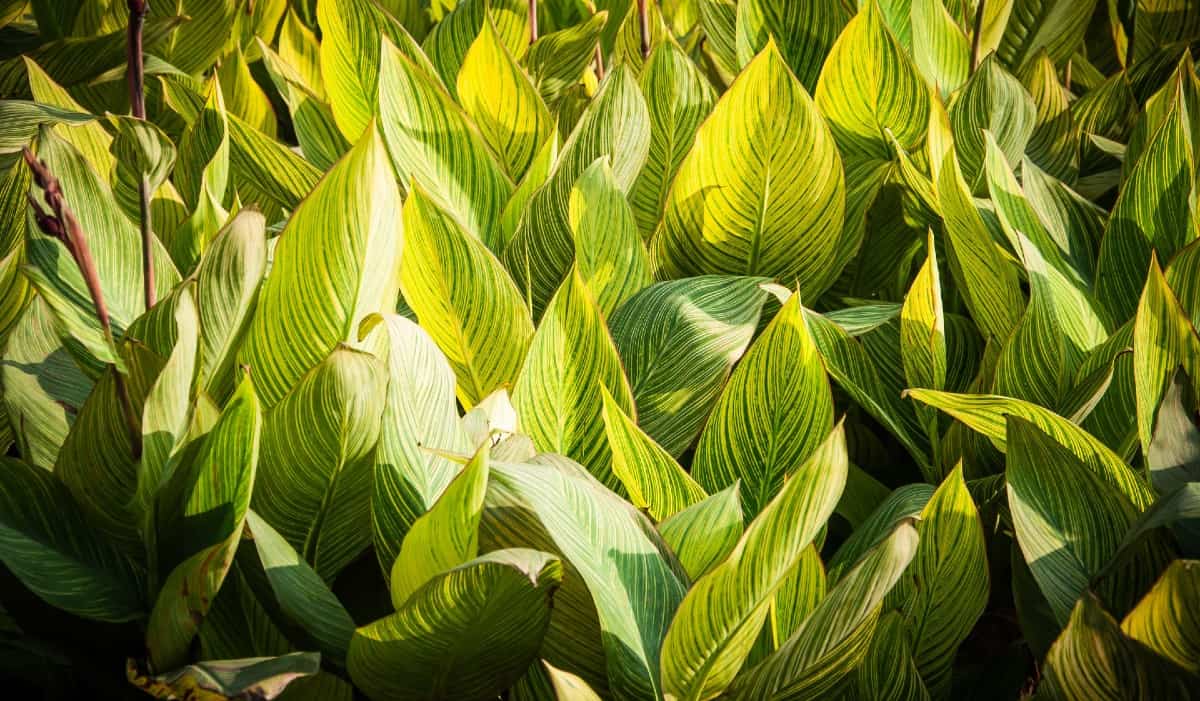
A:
[704, 534]
[558, 394]
[318, 449]
[609, 252]
[942, 53]
[715, 627]
[775, 411]
[1055, 27]
[1054, 144]
[464, 299]
[678, 341]
[336, 262]
[869, 86]
[451, 40]
[502, 101]
[653, 479]
[433, 142]
[995, 101]
[1165, 620]
[804, 31]
[756, 197]
[923, 335]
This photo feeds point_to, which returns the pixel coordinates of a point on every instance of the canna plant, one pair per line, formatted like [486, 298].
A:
[695, 349]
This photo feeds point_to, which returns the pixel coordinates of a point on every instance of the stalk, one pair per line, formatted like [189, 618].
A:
[135, 74]
[978, 35]
[644, 24]
[60, 223]
[533, 28]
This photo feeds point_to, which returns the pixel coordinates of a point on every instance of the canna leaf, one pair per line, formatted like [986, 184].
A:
[705, 533]
[609, 253]
[804, 32]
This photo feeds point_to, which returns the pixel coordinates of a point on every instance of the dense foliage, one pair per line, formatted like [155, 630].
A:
[754, 349]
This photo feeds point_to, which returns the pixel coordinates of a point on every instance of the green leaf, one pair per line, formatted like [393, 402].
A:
[776, 410]
[336, 262]
[619, 580]
[434, 144]
[220, 680]
[499, 97]
[47, 544]
[207, 524]
[1054, 144]
[298, 594]
[556, 61]
[888, 671]
[678, 98]
[994, 101]
[317, 133]
[805, 33]
[1173, 456]
[1055, 27]
[988, 415]
[1066, 540]
[447, 535]
[678, 341]
[904, 503]
[715, 627]
[243, 96]
[987, 284]
[609, 252]
[1165, 619]
[464, 299]
[318, 449]
[1152, 215]
[419, 414]
[227, 285]
[654, 480]
[558, 394]
[869, 86]
[943, 54]
[1093, 659]
[703, 534]
[836, 637]
[923, 335]
[451, 40]
[946, 589]
[614, 125]
[196, 46]
[467, 634]
[781, 190]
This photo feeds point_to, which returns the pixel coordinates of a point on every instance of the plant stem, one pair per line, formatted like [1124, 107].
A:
[60, 223]
[135, 73]
[599, 63]
[978, 35]
[533, 28]
[644, 23]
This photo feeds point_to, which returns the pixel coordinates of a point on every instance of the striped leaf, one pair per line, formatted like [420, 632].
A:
[1054, 144]
[902, 504]
[318, 449]
[47, 544]
[1055, 27]
[556, 61]
[1093, 659]
[653, 479]
[227, 284]
[984, 279]
[203, 177]
[1152, 215]
[805, 33]
[293, 593]
[923, 335]
[988, 415]
[452, 38]
[754, 197]
[501, 99]
[615, 125]
[943, 54]
[464, 299]
[1164, 338]
[1066, 541]
[1165, 619]
[217, 483]
[434, 144]
[447, 535]
[336, 262]
[836, 637]
[609, 252]
[196, 46]
[705, 533]
[317, 134]
[678, 341]
[776, 410]
[946, 589]
[678, 98]
[715, 627]
[243, 96]
[261, 677]
[995, 101]
[558, 394]
[92, 140]
[467, 634]
[619, 580]
[888, 671]
[353, 56]
[420, 411]
[869, 86]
